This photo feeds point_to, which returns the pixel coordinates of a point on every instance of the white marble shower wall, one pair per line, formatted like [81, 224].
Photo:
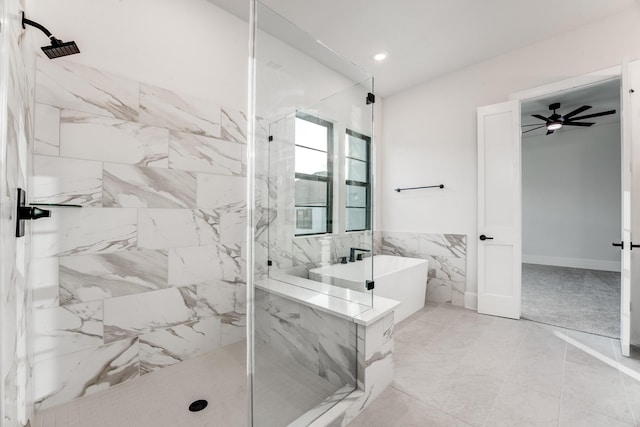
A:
[150, 271]
[447, 255]
[16, 145]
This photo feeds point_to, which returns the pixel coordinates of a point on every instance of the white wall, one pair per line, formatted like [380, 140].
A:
[429, 131]
[571, 198]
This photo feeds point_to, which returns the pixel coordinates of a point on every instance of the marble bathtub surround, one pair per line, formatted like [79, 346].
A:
[446, 281]
[150, 271]
[92, 137]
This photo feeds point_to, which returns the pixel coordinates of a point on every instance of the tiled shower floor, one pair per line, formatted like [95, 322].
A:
[161, 399]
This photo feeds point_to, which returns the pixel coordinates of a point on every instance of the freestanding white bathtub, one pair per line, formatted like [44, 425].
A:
[398, 278]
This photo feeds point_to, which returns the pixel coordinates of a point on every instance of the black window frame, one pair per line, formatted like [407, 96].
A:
[328, 180]
[367, 184]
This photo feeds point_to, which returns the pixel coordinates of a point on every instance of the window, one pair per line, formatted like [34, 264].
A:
[314, 175]
[357, 163]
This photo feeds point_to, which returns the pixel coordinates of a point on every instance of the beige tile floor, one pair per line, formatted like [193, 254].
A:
[455, 367]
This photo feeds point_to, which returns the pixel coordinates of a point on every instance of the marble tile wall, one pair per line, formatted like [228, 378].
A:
[16, 145]
[321, 343]
[446, 281]
[149, 271]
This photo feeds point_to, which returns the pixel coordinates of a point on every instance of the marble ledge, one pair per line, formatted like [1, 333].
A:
[328, 302]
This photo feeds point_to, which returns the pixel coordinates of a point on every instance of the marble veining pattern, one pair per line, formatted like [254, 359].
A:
[93, 137]
[47, 130]
[133, 315]
[85, 372]
[169, 346]
[141, 187]
[72, 231]
[69, 85]
[103, 276]
[162, 107]
[63, 330]
[234, 125]
[204, 154]
[67, 181]
[174, 228]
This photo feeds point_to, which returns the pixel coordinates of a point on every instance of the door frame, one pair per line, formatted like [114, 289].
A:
[598, 77]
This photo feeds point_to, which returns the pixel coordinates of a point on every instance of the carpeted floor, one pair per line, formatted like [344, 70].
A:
[573, 298]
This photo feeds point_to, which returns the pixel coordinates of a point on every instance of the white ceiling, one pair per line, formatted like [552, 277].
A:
[428, 38]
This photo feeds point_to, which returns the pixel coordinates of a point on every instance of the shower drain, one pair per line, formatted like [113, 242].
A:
[198, 405]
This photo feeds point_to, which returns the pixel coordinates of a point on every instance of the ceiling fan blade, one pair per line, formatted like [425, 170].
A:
[588, 116]
[534, 124]
[530, 130]
[577, 111]
[549, 132]
[538, 116]
[584, 124]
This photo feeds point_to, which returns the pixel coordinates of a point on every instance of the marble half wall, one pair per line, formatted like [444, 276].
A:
[149, 271]
[447, 255]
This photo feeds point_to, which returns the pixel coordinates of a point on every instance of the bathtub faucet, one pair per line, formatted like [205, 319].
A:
[352, 253]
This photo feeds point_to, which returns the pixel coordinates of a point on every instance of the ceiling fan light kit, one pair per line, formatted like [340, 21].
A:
[556, 121]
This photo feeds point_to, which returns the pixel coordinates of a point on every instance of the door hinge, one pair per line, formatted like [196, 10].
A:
[270, 138]
[370, 284]
[371, 98]
[269, 263]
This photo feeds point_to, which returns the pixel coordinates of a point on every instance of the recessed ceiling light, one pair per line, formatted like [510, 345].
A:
[380, 56]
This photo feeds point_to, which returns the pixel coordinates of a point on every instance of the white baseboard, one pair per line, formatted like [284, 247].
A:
[471, 300]
[590, 264]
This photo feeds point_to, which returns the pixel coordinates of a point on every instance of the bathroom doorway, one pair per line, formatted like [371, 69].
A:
[571, 209]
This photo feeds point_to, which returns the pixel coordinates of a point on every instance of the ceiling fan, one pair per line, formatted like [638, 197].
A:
[555, 121]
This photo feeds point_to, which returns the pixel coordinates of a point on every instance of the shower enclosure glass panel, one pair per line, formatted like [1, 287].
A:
[310, 199]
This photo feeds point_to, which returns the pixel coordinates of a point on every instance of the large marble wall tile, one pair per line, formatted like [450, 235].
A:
[65, 84]
[64, 330]
[204, 154]
[43, 281]
[93, 137]
[216, 299]
[337, 363]
[67, 181]
[221, 192]
[447, 245]
[73, 231]
[162, 107]
[133, 315]
[174, 228]
[127, 186]
[85, 372]
[47, 130]
[204, 264]
[103, 276]
[234, 125]
[169, 346]
[401, 244]
[233, 227]
[447, 278]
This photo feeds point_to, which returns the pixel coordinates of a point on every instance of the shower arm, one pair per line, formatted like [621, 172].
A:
[26, 21]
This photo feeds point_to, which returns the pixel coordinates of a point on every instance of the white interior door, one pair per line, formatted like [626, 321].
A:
[499, 210]
[630, 118]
